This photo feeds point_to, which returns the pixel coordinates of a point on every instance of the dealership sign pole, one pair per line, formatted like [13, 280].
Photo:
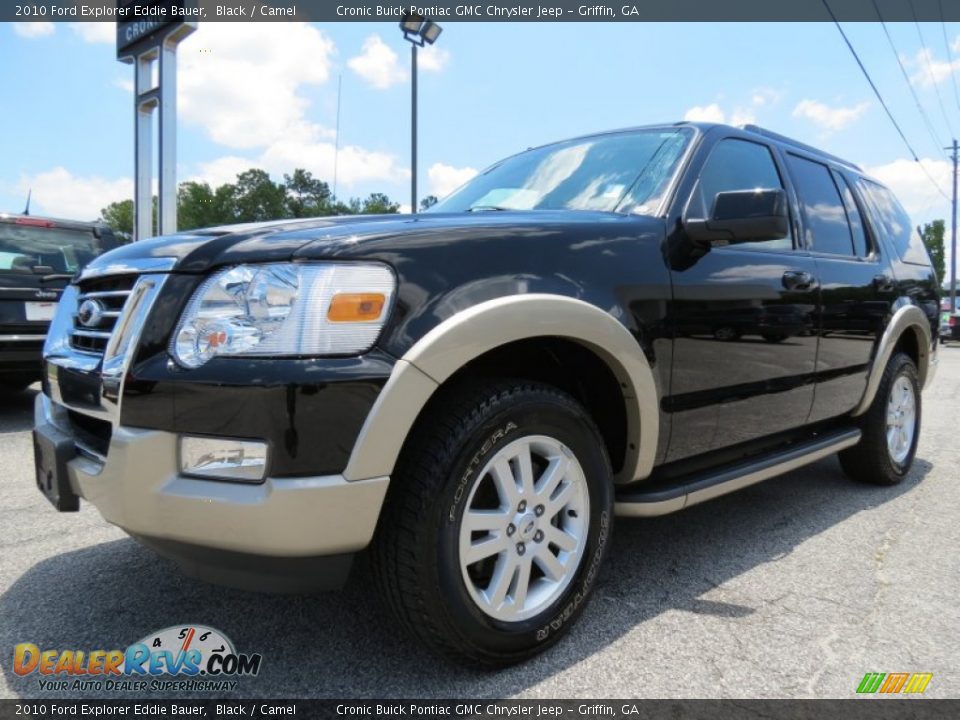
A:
[143, 43]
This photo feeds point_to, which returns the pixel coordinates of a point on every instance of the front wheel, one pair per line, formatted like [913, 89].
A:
[497, 521]
[891, 428]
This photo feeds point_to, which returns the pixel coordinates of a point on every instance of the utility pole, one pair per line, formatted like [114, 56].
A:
[953, 236]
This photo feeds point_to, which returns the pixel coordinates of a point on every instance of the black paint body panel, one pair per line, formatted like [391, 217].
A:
[736, 356]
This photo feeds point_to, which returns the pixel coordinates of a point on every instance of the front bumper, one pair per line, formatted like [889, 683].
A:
[217, 528]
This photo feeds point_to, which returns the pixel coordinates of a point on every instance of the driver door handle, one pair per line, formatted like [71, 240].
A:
[799, 280]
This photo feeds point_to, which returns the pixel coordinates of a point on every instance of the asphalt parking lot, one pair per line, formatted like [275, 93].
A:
[792, 588]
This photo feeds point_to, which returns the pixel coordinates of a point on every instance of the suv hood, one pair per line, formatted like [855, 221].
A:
[343, 236]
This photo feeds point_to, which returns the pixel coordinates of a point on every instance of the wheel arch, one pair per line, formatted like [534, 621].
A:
[908, 330]
[462, 339]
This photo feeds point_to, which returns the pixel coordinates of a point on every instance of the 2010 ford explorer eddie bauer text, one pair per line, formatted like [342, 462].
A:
[622, 324]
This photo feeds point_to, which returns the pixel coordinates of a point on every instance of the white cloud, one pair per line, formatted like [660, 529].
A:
[124, 84]
[33, 29]
[829, 118]
[714, 113]
[223, 170]
[433, 58]
[705, 113]
[378, 64]
[444, 179]
[242, 82]
[60, 193]
[766, 96]
[913, 188]
[929, 70]
[96, 32]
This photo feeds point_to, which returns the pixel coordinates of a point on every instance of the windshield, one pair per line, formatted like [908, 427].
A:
[48, 249]
[625, 171]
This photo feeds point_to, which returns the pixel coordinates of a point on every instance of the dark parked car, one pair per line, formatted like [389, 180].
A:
[475, 392]
[38, 256]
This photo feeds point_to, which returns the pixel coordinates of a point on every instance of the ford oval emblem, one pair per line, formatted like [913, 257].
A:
[90, 313]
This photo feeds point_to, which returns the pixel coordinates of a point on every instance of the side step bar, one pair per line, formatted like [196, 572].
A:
[665, 498]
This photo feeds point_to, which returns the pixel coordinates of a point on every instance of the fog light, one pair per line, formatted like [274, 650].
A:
[223, 458]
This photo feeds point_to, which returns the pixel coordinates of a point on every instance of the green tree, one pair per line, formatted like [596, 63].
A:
[379, 204]
[306, 195]
[119, 216]
[428, 202]
[932, 234]
[256, 197]
[199, 206]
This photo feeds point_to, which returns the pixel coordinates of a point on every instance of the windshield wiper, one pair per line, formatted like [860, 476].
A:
[487, 208]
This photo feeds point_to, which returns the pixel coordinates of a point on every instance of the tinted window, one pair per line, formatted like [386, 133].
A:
[894, 223]
[629, 171]
[25, 246]
[860, 247]
[825, 217]
[737, 165]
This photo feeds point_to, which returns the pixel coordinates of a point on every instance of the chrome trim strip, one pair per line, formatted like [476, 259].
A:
[752, 474]
[138, 267]
[104, 293]
[91, 333]
[22, 338]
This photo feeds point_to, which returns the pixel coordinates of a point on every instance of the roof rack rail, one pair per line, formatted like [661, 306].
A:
[799, 145]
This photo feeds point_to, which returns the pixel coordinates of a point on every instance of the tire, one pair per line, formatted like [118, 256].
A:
[874, 459]
[726, 333]
[446, 471]
[773, 337]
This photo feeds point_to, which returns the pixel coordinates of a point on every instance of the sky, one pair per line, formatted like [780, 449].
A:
[265, 95]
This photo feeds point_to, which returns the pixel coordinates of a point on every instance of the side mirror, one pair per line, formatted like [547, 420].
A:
[742, 216]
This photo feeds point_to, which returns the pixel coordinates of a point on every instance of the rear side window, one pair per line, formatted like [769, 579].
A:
[24, 247]
[894, 223]
[860, 246]
[825, 218]
[737, 165]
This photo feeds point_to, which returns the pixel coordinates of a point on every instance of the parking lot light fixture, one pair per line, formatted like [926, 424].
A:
[418, 32]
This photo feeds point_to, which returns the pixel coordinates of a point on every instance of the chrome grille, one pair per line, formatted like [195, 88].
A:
[91, 331]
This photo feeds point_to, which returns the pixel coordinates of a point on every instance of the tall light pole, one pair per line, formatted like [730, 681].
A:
[953, 235]
[418, 32]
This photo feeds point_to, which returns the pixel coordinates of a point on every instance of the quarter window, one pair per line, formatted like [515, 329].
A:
[825, 218]
[737, 165]
[860, 247]
[894, 222]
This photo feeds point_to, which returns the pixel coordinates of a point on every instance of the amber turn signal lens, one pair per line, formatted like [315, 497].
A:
[355, 307]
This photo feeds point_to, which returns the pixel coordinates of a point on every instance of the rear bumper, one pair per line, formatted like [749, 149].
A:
[216, 529]
[21, 354]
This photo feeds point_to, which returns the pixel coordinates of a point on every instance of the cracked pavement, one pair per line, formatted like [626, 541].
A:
[792, 588]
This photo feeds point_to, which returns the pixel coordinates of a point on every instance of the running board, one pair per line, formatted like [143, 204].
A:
[665, 498]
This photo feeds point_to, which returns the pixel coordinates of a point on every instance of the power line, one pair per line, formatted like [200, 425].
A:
[883, 103]
[926, 52]
[946, 43]
[906, 76]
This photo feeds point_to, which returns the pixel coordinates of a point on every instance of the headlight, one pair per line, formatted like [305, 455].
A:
[285, 309]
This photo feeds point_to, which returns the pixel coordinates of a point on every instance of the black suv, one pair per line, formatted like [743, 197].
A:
[475, 392]
[38, 256]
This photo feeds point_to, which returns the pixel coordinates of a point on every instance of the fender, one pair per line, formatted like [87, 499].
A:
[909, 318]
[456, 341]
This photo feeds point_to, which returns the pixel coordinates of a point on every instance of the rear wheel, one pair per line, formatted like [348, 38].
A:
[496, 523]
[891, 428]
